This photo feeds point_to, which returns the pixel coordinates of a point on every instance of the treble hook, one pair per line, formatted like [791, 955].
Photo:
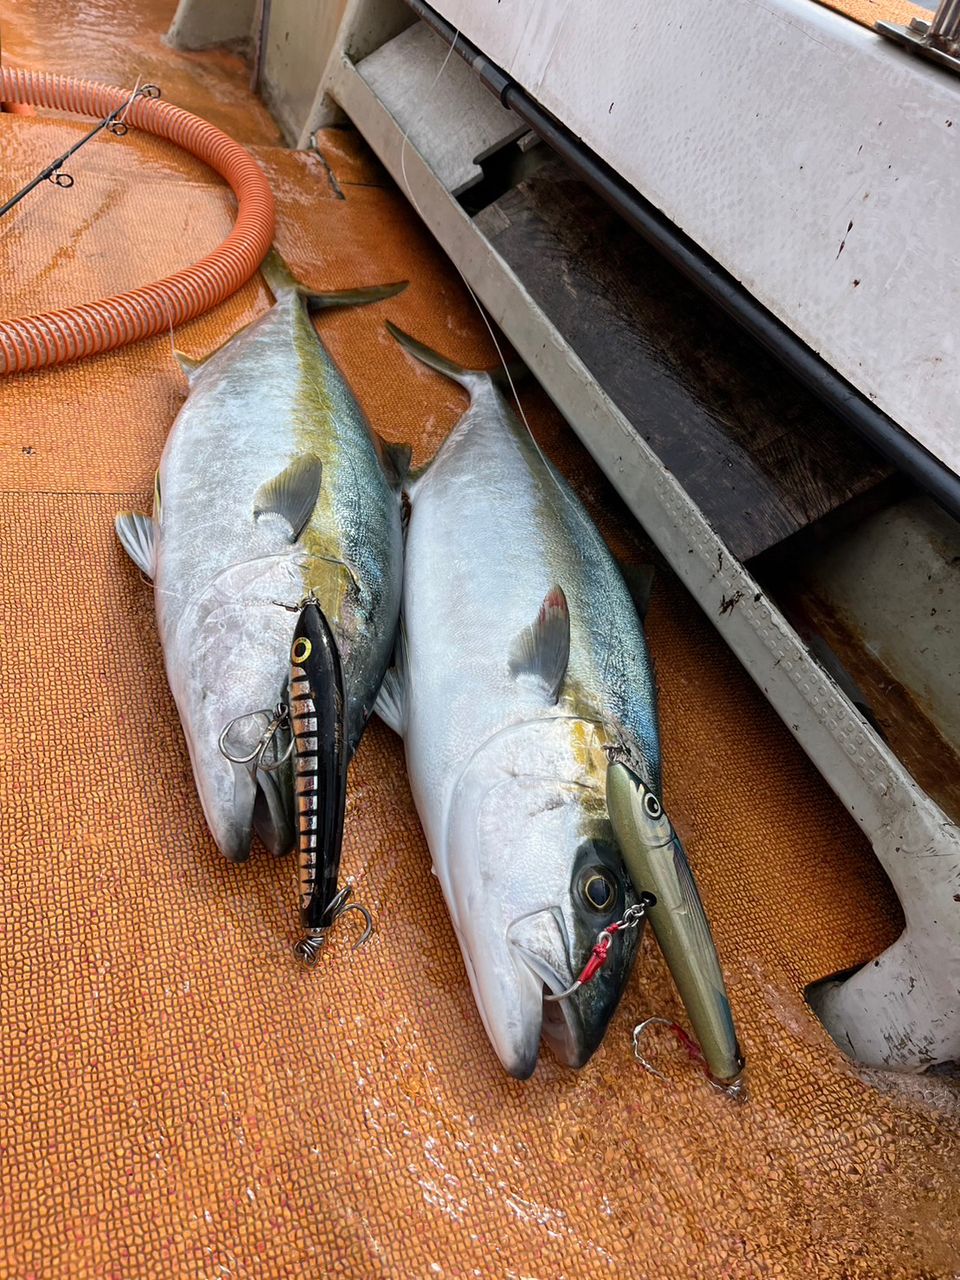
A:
[735, 1089]
[281, 716]
[308, 948]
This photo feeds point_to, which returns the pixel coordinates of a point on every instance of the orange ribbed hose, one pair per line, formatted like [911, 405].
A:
[33, 342]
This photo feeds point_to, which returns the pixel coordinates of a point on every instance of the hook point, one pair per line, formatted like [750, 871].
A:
[368, 923]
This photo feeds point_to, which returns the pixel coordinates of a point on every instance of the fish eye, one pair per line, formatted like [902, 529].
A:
[652, 806]
[598, 888]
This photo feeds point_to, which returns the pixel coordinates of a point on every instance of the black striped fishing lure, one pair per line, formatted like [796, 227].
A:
[317, 712]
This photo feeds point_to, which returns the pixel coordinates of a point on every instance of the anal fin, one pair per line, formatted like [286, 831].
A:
[190, 366]
[639, 582]
[395, 459]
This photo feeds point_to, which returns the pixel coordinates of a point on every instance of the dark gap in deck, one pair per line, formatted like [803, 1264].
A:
[760, 455]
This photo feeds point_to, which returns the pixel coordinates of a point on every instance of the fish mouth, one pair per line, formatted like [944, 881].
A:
[257, 801]
[244, 794]
[273, 811]
[559, 1026]
[261, 805]
[540, 946]
[511, 981]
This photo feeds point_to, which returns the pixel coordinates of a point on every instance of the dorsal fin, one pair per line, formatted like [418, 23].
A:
[292, 494]
[192, 366]
[540, 653]
[278, 275]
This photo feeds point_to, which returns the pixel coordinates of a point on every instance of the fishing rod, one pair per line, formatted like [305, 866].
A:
[113, 123]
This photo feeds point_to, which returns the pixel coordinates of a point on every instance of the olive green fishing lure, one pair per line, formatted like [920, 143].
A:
[658, 865]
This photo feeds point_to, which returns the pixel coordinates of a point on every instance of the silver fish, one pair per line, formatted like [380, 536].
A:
[271, 488]
[521, 654]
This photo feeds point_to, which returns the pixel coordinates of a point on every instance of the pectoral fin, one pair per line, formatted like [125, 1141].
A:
[540, 653]
[138, 536]
[292, 494]
[390, 704]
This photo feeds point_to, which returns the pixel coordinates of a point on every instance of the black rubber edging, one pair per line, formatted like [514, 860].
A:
[847, 402]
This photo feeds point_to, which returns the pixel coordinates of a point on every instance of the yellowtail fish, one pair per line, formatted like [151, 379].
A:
[520, 645]
[272, 487]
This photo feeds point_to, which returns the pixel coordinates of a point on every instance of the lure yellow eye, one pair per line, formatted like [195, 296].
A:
[599, 891]
[302, 648]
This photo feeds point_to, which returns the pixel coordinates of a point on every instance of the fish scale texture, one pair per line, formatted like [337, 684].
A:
[178, 1097]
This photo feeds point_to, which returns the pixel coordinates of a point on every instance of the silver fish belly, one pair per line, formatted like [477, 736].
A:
[271, 488]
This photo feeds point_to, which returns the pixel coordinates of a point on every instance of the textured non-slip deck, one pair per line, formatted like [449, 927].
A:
[178, 1097]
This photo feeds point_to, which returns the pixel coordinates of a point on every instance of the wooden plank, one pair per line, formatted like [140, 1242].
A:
[759, 455]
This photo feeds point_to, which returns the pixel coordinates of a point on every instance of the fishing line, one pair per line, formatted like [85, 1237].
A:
[477, 303]
[413, 200]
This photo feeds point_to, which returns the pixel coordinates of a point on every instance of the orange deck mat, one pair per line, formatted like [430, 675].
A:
[869, 12]
[178, 1097]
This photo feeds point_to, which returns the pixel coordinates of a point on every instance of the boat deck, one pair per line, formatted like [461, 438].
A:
[179, 1096]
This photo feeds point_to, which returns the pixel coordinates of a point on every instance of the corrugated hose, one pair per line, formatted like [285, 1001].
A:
[36, 342]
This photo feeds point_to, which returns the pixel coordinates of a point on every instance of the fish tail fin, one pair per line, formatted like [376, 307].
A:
[283, 282]
[504, 377]
[426, 355]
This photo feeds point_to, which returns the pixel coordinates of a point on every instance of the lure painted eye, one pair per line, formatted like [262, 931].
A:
[302, 648]
[651, 805]
[598, 889]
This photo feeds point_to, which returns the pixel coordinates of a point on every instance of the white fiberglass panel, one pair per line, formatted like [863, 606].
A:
[819, 163]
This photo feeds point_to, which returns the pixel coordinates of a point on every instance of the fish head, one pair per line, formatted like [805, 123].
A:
[236, 640]
[533, 876]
